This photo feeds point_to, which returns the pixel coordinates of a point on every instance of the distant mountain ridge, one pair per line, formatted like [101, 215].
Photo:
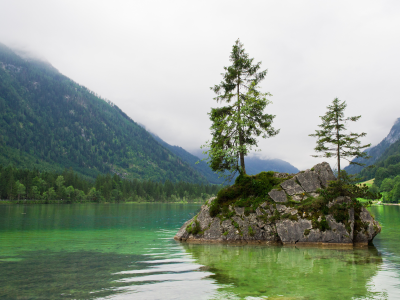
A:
[254, 165]
[377, 151]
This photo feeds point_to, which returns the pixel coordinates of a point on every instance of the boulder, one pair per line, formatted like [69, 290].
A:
[291, 187]
[278, 196]
[309, 181]
[368, 228]
[325, 173]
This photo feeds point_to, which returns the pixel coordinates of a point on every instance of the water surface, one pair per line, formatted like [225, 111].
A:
[126, 251]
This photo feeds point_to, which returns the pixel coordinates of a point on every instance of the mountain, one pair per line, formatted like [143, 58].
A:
[49, 122]
[201, 167]
[377, 151]
[254, 165]
[386, 166]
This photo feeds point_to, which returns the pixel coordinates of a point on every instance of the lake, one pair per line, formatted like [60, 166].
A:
[127, 251]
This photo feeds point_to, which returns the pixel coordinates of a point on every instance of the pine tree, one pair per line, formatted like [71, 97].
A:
[333, 141]
[235, 127]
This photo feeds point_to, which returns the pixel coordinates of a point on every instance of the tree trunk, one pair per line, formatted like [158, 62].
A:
[241, 154]
[338, 145]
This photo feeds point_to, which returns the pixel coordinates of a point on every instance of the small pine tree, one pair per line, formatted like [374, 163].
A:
[333, 141]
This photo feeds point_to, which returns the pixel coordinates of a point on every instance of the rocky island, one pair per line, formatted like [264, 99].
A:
[282, 208]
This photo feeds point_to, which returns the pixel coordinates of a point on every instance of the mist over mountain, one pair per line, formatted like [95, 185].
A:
[376, 151]
[49, 122]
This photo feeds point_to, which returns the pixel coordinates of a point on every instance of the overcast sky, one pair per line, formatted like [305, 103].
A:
[157, 60]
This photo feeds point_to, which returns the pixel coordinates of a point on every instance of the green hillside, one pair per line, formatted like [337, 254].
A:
[50, 122]
[377, 151]
[386, 172]
[388, 165]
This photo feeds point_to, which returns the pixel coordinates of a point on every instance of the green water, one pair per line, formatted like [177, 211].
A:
[126, 251]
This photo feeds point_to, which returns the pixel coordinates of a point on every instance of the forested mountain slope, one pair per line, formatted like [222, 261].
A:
[49, 122]
[377, 151]
[387, 166]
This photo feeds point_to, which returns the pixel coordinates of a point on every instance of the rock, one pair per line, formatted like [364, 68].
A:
[281, 175]
[278, 196]
[291, 232]
[215, 230]
[339, 200]
[281, 208]
[239, 211]
[182, 234]
[369, 229]
[297, 198]
[283, 223]
[309, 181]
[291, 187]
[325, 173]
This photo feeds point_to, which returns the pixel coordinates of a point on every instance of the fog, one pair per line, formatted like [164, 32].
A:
[157, 60]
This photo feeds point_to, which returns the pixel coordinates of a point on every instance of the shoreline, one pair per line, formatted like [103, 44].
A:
[32, 202]
[324, 245]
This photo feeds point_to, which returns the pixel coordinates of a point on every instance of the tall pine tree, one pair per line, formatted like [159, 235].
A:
[236, 126]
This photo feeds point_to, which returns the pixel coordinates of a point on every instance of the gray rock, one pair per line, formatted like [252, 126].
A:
[278, 196]
[281, 175]
[291, 187]
[325, 173]
[337, 234]
[182, 233]
[291, 232]
[281, 208]
[208, 202]
[239, 211]
[259, 212]
[215, 231]
[372, 228]
[309, 181]
[297, 198]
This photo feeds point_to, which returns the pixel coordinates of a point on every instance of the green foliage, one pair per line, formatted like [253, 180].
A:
[346, 187]
[332, 140]
[248, 192]
[235, 127]
[251, 231]
[49, 122]
[394, 195]
[194, 228]
[322, 224]
[70, 187]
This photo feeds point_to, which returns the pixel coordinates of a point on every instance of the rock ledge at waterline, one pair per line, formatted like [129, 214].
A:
[291, 226]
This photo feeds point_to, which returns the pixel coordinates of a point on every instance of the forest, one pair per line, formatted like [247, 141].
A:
[33, 186]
